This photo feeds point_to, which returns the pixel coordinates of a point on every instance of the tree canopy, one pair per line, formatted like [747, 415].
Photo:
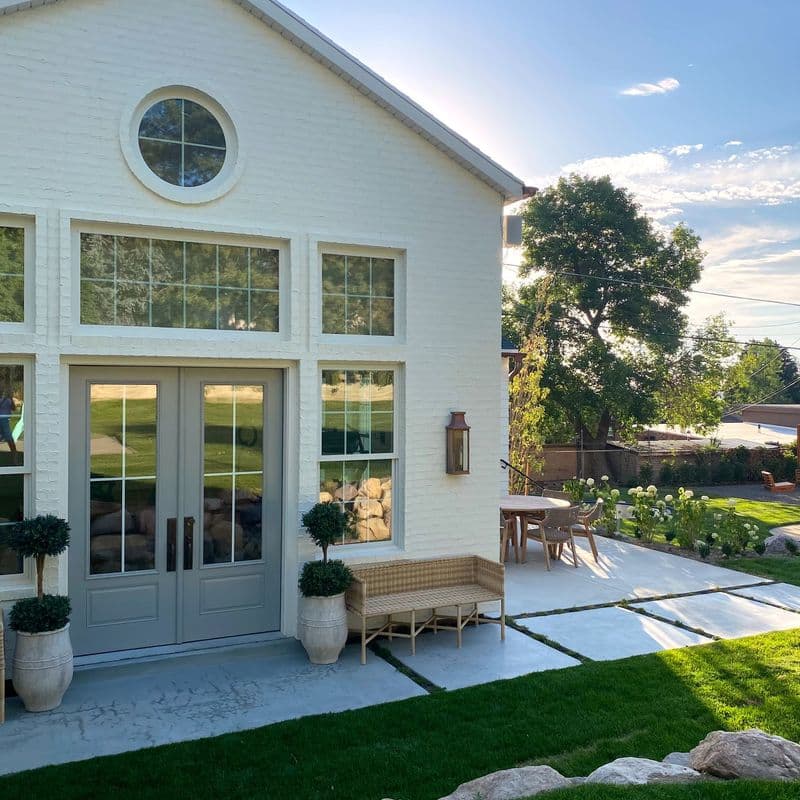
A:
[607, 299]
[763, 371]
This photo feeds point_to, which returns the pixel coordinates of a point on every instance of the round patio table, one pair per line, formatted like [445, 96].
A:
[520, 506]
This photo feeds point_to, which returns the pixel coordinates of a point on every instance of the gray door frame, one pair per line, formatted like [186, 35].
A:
[179, 616]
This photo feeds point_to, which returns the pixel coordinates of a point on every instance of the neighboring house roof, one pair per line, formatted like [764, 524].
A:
[350, 69]
[508, 347]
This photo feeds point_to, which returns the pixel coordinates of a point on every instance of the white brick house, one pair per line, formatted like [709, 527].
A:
[237, 270]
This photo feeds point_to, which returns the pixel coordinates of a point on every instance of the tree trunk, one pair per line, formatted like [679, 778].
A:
[39, 576]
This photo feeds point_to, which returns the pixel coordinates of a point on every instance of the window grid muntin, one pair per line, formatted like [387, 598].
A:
[362, 458]
[234, 472]
[7, 277]
[346, 296]
[182, 143]
[252, 292]
[124, 478]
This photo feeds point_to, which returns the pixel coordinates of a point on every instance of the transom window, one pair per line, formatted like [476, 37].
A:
[14, 466]
[130, 280]
[358, 449]
[182, 142]
[12, 274]
[357, 295]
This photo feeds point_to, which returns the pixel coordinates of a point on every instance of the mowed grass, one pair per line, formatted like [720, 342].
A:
[419, 749]
[785, 569]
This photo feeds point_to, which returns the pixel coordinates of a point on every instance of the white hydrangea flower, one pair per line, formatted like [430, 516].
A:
[604, 478]
[704, 498]
[651, 489]
[731, 502]
[615, 493]
[583, 480]
[715, 535]
[669, 498]
[590, 482]
[688, 494]
[632, 491]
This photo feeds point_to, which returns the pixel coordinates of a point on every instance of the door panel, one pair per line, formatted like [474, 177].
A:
[122, 478]
[232, 488]
[175, 505]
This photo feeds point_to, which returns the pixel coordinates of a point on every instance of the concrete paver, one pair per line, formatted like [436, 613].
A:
[481, 659]
[725, 615]
[603, 634]
[779, 594]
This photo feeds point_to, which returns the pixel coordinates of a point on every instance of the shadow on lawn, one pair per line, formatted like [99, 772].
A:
[420, 749]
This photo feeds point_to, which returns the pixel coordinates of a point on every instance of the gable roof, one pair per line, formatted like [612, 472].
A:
[350, 69]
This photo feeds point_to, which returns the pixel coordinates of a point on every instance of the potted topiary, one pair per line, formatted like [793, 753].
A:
[42, 664]
[323, 618]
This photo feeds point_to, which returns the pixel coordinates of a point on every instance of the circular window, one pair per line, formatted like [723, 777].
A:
[182, 142]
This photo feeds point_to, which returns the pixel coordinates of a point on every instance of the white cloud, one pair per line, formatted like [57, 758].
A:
[684, 149]
[645, 89]
[621, 167]
[733, 143]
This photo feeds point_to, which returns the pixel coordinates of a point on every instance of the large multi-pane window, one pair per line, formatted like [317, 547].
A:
[357, 295]
[12, 274]
[13, 466]
[358, 449]
[163, 283]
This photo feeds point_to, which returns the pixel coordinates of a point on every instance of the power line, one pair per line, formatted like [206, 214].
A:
[667, 287]
[767, 397]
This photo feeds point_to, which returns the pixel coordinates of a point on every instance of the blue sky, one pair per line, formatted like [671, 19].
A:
[708, 131]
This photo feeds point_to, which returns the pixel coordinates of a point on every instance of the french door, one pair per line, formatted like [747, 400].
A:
[175, 505]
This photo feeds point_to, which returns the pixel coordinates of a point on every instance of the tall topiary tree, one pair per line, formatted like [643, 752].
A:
[326, 524]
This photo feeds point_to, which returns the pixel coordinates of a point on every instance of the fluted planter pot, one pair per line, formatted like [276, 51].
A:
[42, 668]
[323, 628]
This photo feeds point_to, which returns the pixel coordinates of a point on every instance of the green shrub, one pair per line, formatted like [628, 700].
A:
[646, 472]
[326, 523]
[690, 516]
[703, 549]
[40, 614]
[324, 578]
[760, 547]
[667, 474]
[37, 538]
[791, 546]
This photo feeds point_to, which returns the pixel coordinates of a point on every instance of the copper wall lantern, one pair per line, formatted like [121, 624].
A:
[457, 444]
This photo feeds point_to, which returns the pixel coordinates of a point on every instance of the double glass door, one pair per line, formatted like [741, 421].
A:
[175, 505]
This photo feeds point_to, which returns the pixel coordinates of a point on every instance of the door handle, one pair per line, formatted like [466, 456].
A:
[188, 542]
[172, 535]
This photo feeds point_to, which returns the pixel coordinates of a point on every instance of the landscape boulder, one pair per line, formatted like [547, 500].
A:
[776, 543]
[635, 771]
[511, 784]
[747, 754]
[681, 759]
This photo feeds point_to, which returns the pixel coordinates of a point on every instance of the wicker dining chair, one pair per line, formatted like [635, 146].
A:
[583, 527]
[508, 536]
[555, 530]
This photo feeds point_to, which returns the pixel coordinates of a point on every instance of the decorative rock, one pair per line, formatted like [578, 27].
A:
[371, 488]
[511, 784]
[747, 754]
[386, 500]
[373, 529]
[368, 508]
[346, 493]
[325, 497]
[634, 771]
[776, 544]
[681, 759]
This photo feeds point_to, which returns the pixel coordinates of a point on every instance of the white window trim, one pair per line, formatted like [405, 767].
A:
[370, 251]
[129, 141]
[393, 546]
[282, 245]
[28, 224]
[13, 587]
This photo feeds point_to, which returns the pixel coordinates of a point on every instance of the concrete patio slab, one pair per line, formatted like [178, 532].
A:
[778, 594]
[119, 708]
[725, 615]
[604, 634]
[625, 572]
[481, 659]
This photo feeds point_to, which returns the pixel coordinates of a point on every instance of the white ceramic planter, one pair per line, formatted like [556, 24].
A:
[42, 668]
[323, 627]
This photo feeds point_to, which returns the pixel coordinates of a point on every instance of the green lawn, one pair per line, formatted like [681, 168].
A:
[420, 749]
[778, 568]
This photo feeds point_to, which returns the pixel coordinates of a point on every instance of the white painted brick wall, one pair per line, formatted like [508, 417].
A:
[323, 163]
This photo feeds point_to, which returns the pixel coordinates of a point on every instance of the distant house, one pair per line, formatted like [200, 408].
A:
[786, 415]
[240, 272]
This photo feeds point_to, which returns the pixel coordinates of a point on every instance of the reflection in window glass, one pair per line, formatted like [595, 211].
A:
[357, 295]
[12, 277]
[12, 501]
[182, 142]
[357, 425]
[143, 282]
[233, 473]
[12, 418]
[123, 421]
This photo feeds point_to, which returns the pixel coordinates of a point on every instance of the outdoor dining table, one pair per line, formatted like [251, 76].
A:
[521, 506]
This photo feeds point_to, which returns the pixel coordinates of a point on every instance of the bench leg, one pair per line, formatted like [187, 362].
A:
[363, 640]
[390, 627]
[458, 626]
[477, 616]
[413, 633]
[503, 619]
[435, 622]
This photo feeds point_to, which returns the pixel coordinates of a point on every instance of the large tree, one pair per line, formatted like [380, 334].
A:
[763, 371]
[607, 297]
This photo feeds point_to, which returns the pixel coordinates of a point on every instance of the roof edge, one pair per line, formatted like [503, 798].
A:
[400, 105]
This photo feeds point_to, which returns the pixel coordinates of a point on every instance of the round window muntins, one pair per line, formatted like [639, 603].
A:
[182, 142]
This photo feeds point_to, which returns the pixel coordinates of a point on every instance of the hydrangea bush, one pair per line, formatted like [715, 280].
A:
[610, 497]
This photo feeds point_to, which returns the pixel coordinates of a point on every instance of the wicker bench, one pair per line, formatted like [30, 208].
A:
[431, 585]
